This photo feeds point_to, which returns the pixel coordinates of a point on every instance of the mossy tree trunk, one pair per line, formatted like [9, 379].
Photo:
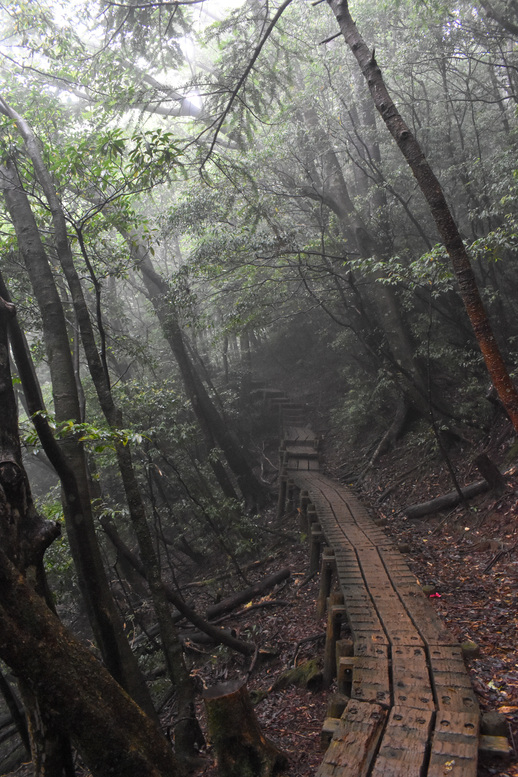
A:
[110, 731]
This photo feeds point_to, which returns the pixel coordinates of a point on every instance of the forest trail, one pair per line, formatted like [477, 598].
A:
[411, 709]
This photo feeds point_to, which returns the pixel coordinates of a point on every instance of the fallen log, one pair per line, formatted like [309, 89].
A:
[241, 597]
[226, 575]
[446, 501]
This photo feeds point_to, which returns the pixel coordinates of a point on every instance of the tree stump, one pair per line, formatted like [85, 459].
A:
[241, 748]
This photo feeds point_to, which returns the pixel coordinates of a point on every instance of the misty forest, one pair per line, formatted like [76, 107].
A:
[211, 210]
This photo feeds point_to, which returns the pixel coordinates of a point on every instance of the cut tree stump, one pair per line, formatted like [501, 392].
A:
[241, 748]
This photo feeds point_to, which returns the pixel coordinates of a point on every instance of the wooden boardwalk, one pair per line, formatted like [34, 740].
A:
[410, 710]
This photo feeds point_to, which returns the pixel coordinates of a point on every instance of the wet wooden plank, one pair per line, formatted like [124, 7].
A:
[451, 681]
[373, 649]
[446, 655]
[411, 678]
[454, 750]
[404, 744]
[370, 681]
[391, 618]
[301, 452]
[431, 627]
[294, 434]
[368, 638]
[456, 696]
[354, 742]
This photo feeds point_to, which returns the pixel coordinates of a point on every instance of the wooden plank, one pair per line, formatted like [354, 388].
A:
[450, 679]
[354, 742]
[449, 653]
[405, 637]
[455, 698]
[369, 638]
[359, 610]
[370, 680]
[372, 649]
[355, 594]
[431, 627]
[294, 434]
[267, 394]
[301, 453]
[399, 627]
[365, 624]
[411, 678]
[390, 616]
[403, 748]
[454, 749]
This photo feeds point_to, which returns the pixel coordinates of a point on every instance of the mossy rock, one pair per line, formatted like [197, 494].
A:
[307, 675]
[470, 650]
[257, 696]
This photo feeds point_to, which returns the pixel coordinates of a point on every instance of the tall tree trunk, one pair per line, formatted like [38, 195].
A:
[213, 426]
[93, 584]
[50, 750]
[441, 213]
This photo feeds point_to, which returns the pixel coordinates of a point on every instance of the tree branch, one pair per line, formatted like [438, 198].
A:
[245, 75]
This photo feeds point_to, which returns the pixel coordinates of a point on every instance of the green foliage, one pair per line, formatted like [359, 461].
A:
[135, 28]
[100, 439]
[366, 406]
